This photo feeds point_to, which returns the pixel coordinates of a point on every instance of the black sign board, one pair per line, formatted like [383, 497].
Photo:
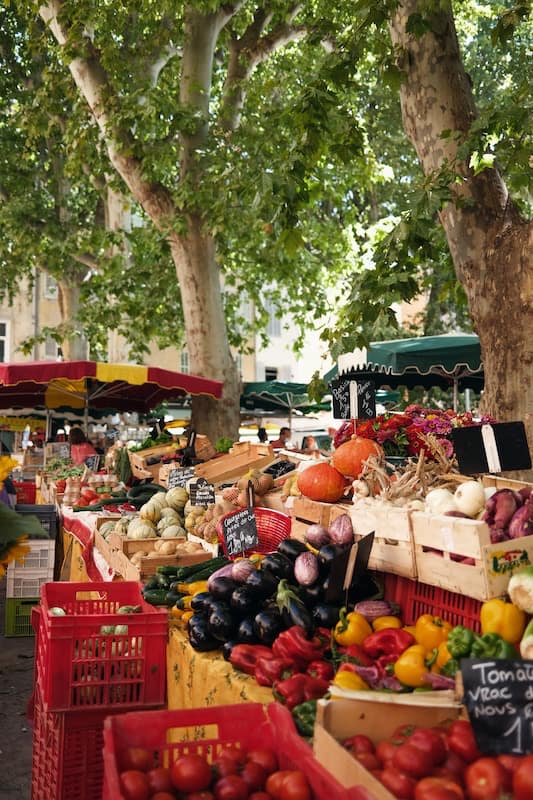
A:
[353, 399]
[240, 528]
[92, 462]
[498, 695]
[349, 570]
[179, 477]
[188, 456]
[201, 492]
[491, 448]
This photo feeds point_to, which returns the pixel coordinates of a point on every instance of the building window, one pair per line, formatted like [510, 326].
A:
[50, 287]
[184, 362]
[274, 323]
[271, 373]
[3, 341]
[50, 347]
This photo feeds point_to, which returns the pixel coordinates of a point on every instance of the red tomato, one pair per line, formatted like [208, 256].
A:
[369, 761]
[264, 756]
[438, 789]
[385, 751]
[359, 744]
[259, 796]
[190, 773]
[232, 787]
[413, 761]
[403, 732]
[430, 742]
[232, 753]
[206, 795]
[254, 774]
[274, 781]
[295, 787]
[509, 762]
[400, 784]
[138, 758]
[523, 780]
[134, 785]
[159, 780]
[486, 779]
[225, 766]
[168, 796]
[456, 765]
[461, 740]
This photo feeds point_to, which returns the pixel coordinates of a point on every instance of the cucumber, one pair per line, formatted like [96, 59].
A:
[156, 597]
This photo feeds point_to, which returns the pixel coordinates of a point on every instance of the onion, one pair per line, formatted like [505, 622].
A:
[470, 498]
[223, 572]
[241, 569]
[317, 535]
[306, 569]
[341, 530]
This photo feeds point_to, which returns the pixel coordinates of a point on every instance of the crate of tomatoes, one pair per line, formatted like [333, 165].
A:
[234, 752]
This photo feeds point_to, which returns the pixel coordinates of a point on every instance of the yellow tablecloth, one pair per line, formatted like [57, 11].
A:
[205, 679]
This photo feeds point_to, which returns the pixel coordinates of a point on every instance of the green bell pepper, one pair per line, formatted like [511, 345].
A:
[460, 641]
[491, 645]
[304, 717]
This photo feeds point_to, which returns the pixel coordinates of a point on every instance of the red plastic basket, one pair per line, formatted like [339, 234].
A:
[67, 761]
[272, 527]
[169, 734]
[26, 491]
[79, 666]
[415, 598]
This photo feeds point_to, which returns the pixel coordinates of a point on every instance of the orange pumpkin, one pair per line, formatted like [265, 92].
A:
[348, 457]
[322, 482]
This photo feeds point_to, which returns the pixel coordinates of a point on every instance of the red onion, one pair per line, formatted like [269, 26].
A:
[522, 521]
[341, 530]
[317, 536]
[241, 569]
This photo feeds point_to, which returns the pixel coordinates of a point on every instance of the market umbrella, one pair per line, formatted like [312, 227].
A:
[277, 396]
[96, 385]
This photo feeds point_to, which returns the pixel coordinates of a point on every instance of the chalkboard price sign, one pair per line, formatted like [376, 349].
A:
[201, 493]
[92, 462]
[240, 528]
[353, 399]
[179, 477]
[498, 695]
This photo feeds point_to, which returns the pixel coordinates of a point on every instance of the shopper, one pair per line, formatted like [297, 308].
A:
[80, 448]
[283, 442]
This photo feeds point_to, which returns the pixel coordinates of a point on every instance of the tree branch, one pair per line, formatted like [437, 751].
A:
[86, 259]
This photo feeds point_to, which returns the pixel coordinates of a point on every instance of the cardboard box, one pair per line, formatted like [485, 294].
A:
[242, 457]
[338, 719]
[393, 549]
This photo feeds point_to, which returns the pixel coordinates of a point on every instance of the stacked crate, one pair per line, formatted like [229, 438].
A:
[97, 659]
[24, 580]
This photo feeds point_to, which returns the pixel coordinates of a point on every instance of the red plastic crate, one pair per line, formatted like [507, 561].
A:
[415, 598]
[78, 666]
[272, 527]
[67, 761]
[169, 734]
[26, 491]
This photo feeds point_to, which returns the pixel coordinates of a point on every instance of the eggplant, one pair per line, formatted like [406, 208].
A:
[220, 622]
[293, 610]
[262, 582]
[199, 636]
[243, 601]
[246, 632]
[311, 595]
[221, 588]
[291, 548]
[267, 626]
[324, 615]
[328, 553]
[202, 601]
[227, 647]
[278, 564]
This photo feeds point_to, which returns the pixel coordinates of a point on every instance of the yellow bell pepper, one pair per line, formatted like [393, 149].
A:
[410, 667]
[351, 628]
[350, 680]
[410, 629]
[430, 631]
[386, 622]
[505, 619]
[442, 657]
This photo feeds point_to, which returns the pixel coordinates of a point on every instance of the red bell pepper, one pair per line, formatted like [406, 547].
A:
[355, 653]
[388, 642]
[269, 670]
[315, 688]
[290, 692]
[321, 669]
[245, 656]
[294, 644]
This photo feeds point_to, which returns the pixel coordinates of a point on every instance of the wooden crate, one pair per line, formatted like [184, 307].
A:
[393, 549]
[242, 457]
[505, 483]
[147, 566]
[141, 469]
[437, 537]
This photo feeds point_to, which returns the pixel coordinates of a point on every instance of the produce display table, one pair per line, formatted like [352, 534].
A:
[197, 679]
[81, 561]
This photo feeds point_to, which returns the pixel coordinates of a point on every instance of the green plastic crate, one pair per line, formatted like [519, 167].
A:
[18, 616]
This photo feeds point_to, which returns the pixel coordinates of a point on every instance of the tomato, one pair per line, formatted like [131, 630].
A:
[259, 796]
[159, 780]
[456, 765]
[400, 784]
[486, 779]
[232, 787]
[411, 760]
[438, 789]
[205, 795]
[137, 758]
[190, 773]
[167, 796]
[403, 732]
[509, 762]
[264, 756]
[430, 742]
[369, 761]
[274, 781]
[233, 754]
[444, 772]
[461, 740]
[523, 780]
[225, 766]
[385, 751]
[295, 787]
[134, 785]
[359, 744]
[254, 774]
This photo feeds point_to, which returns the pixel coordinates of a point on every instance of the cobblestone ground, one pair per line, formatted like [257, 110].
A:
[16, 681]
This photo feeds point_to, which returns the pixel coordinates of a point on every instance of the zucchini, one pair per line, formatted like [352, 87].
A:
[148, 489]
[167, 569]
[156, 597]
[208, 568]
[151, 583]
[188, 574]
